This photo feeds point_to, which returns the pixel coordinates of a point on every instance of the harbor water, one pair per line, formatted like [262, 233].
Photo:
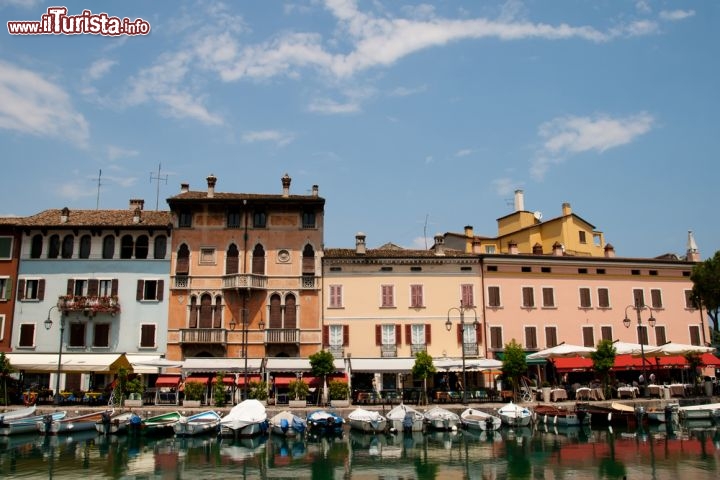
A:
[690, 452]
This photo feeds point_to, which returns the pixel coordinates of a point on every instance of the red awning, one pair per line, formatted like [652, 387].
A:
[283, 381]
[573, 364]
[629, 362]
[167, 381]
[227, 380]
[251, 378]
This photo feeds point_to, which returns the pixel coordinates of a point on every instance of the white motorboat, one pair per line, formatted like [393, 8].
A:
[438, 418]
[474, 419]
[28, 424]
[79, 423]
[17, 414]
[288, 424]
[368, 421]
[115, 424]
[246, 419]
[406, 419]
[203, 422]
[515, 415]
[699, 412]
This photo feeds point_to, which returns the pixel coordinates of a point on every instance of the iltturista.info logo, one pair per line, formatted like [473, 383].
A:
[57, 22]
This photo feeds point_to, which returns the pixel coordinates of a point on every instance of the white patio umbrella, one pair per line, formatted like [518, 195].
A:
[671, 348]
[563, 350]
[635, 349]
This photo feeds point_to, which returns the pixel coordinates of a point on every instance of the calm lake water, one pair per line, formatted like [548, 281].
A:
[569, 453]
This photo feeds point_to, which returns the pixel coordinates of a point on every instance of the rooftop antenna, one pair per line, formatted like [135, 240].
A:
[427, 215]
[158, 178]
[97, 201]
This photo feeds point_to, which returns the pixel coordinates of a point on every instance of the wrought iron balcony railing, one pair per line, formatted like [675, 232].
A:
[282, 335]
[388, 350]
[203, 335]
[89, 305]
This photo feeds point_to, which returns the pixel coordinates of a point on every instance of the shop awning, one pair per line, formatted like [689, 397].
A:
[227, 380]
[150, 364]
[631, 362]
[251, 378]
[286, 364]
[572, 364]
[71, 362]
[171, 381]
[529, 361]
[221, 364]
[388, 365]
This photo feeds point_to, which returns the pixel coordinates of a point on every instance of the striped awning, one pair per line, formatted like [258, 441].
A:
[71, 362]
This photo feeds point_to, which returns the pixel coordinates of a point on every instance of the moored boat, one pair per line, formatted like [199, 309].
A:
[116, 424]
[368, 421]
[246, 419]
[157, 425]
[11, 415]
[288, 424]
[700, 412]
[28, 424]
[403, 418]
[324, 421]
[617, 414]
[514, 415]
[554, 415]
[474, 419]
[79, 423]
[438, 418]
[197, 424]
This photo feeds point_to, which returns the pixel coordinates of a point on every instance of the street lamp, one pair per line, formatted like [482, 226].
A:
[448, 326]
[639, 307]
[48, 325]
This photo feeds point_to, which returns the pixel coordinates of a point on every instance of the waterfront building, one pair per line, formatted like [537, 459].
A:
[9, 257]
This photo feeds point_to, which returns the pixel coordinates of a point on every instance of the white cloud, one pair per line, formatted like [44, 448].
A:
[74, 190]
[99, 68]
[407, 91]
[327, 106]
[567, 136]
[463, 152]
[32, 105]
[643, 7]
[115, 152]
[675, 15]
[505, 186]
[275, 136]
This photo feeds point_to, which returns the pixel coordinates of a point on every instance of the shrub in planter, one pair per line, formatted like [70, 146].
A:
[194, 390]
[298, 390]
[338, 390]
[219, 390]
[258, 390]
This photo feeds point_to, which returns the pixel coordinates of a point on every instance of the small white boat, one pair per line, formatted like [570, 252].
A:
[699, 412]
[27, 424]
[288, 424]
[79, 423]
[323, 421]
[203, 422]
[246, 419]
[368, 421]
[115, 424]
[474, 419]
[514, 415]
[406, 419]
[17, 414]
[438, 418]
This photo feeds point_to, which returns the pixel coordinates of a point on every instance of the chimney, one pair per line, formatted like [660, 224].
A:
[64, 215]
[537, 249]
[469, 236]
[513, 248]
[184, 187]
[519, 201]
[286, 185]
[137, 203]
[609, 251]
[693, 254]
[314, 190]
[439, 244]
[360, 243]
[566, 209]
[211, 181]
[558, 250]
[136, 215]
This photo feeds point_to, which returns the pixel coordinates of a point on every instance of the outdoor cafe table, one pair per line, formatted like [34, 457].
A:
[630, 392]
[677, 390]
[654, 391]
[558, 394]
[585, 393]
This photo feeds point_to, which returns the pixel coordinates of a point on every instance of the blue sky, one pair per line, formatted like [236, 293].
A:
[412, 118]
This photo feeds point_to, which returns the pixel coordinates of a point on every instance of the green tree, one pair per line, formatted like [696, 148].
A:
[121, 387]
[6, 369]
[219, 390]
[298, 389]
[322, 364]
[603, 360]
[514, 365]
[423, 368]
[706, 291]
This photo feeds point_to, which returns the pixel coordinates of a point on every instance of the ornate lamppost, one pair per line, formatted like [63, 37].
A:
[48, 325]
[448, 326]
[639, 307]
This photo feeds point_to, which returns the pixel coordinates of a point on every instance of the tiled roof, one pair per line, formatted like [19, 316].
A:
[10, 220]
[100, 218]
[202, 195]
[393, 253]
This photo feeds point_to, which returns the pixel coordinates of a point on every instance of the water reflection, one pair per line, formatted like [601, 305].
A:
[545, 452]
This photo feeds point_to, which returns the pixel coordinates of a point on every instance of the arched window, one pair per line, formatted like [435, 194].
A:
[258, 263]
[160, 249]
[193, 320]
[142, 245]
[308, 261]
[126, 246]
[85, 243]
[108, 251]
[290, 312]
[54, 247]
[232, 260]
[68, 245]
[275, 311]
[182, 267]
[206, 311]
[217, 317]
[36, 246]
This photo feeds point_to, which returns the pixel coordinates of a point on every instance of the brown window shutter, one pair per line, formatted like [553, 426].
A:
[114, 286]
[160, 290]
[378, 335]
[398, 334]
[139, 293]
[346, 335]
[21, 290]
[193, 315]
[70, 286]
[408, 334]
[478, 332]
[459, 334]
[325, 336]
[93, 286]
[41, 289]
[427, 334]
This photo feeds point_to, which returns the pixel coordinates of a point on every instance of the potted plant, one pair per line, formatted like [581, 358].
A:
[194, 392]
[298, 391]
[339, 393]
[258, 391]
[131, 389]
[219, 390]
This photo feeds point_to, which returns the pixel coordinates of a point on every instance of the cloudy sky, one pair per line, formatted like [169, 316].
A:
[412, 118]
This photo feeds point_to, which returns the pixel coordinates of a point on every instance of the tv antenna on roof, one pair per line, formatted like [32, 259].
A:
[97, 201]
[158, 178]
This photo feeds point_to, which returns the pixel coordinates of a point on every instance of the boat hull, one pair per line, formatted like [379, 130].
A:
[287, 424]
[198, 424]
[476, 420]
[70, 425]
[116, 424]
[551, 415]
[246, 430]
[438, 418]
[515, 416]
[323, 422]
[405, 419]
[29, 424]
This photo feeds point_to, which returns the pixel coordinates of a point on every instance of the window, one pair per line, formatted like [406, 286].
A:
[6, 248]
[185, 219]
[31, 289]
[526, 269]
[638, 297]
[642, 334]
[142, 247]
[54, 247]
[656, 298]
[77, 335]
[528, 297]
[68, 245]
[160, 247]
[490, 249]
[232, 260]
[548, 297]
[466, 295]
[694, 335]
[551, 337]
[150, 290]
[545, 270]
[417, 334]
[336, 300]
[585, 301]
[233, 218]
[147, 335]
[494, 296]
[308, 220]
[581, 237]
[597, 240]
[85, 244]
[182, 267]
[416, 296]
[660, 338]
[2, 328]
[259, 220]
[496, 338]
[258, 260]
[603, 297]
[27, 335]
[531, 338]
[126, 247]
[388, 335]
[36, 246]
[101, 335]
[207, 256]
[469, 335]
[606, 333]
[689, 300]
[108, 251]
[79, 289]
[388, 296]
[5, 288]
[336, 337]
[105, 288]
[588, 336]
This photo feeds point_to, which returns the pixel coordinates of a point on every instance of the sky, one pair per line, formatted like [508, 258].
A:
[412, 118]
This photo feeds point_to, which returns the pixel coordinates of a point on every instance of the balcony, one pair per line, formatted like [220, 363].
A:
[309, 282]
[89, 306]
[245, 280]
[203, 335]
[180, 282]
[337, 351]
[388, 350]
[282, 335]
[416, 348]
[471, 349]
